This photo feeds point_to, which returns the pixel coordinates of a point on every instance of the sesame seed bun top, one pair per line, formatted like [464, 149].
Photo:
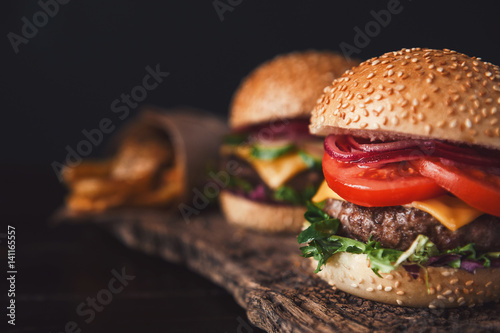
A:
[287, 86]
[439, 94]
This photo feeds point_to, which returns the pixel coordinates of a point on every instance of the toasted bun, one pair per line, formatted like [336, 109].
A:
[438, 94]
[287, 86]
[448, 287]
[260, 216]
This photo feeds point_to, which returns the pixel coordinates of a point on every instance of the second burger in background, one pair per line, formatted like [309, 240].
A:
[279, 161]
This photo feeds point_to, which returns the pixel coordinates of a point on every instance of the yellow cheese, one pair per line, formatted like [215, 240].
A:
[452, 212]
[274, 173]
[325, 192]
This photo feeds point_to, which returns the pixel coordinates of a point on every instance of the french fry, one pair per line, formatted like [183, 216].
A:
[87, 169]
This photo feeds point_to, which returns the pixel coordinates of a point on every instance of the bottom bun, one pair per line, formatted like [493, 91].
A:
[261, 216]
[448, 287]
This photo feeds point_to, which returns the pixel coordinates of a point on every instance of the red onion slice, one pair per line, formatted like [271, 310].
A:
[346, 148]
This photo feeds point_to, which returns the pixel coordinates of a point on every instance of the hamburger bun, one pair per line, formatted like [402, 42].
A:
[448, 287]
[287, 86]
[261, 216]
[438, 94]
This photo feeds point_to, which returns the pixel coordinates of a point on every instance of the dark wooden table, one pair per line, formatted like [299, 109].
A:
[59, 267]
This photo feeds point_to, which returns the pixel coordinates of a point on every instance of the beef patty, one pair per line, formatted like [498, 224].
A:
[397, 227]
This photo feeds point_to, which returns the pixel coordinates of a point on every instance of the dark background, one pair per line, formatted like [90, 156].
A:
[64, 81]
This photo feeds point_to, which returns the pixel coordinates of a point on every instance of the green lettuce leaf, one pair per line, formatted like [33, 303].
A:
[289, 195]
[270, 153]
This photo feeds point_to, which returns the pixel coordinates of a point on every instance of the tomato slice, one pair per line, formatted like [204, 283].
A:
[474, 186]
[389, 185]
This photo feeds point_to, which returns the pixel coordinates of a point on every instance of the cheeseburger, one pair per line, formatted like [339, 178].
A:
[409, 213]
[277, 160]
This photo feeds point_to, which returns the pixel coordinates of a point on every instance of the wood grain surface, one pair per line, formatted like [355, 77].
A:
[267, 277]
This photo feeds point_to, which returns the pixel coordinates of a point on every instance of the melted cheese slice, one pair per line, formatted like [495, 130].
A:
[274, 173]
[452, 212]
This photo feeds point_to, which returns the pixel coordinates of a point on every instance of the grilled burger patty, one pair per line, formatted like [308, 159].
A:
[397, 227]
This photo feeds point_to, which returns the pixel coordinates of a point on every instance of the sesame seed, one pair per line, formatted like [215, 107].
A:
[369, 289]
[400, 302]
[414, 60]
[322, 119]
[438, 287]
[399, 87]
[395, 120]
[377, 97]
[354, 285]
[366, 85]
[370, 76]
[390, 72]
[388, 289]
[432, 291]
[363, 125]
[447, 292]
[428, 128]
[451, 299]
[375, 62]
[469, 283]
[356, 118]
[489, 283]
[432, 306]
[468, 123]
[440, 297]
[379, 287]
[400, 292]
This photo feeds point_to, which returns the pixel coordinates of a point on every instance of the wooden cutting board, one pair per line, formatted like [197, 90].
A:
[267, 277]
